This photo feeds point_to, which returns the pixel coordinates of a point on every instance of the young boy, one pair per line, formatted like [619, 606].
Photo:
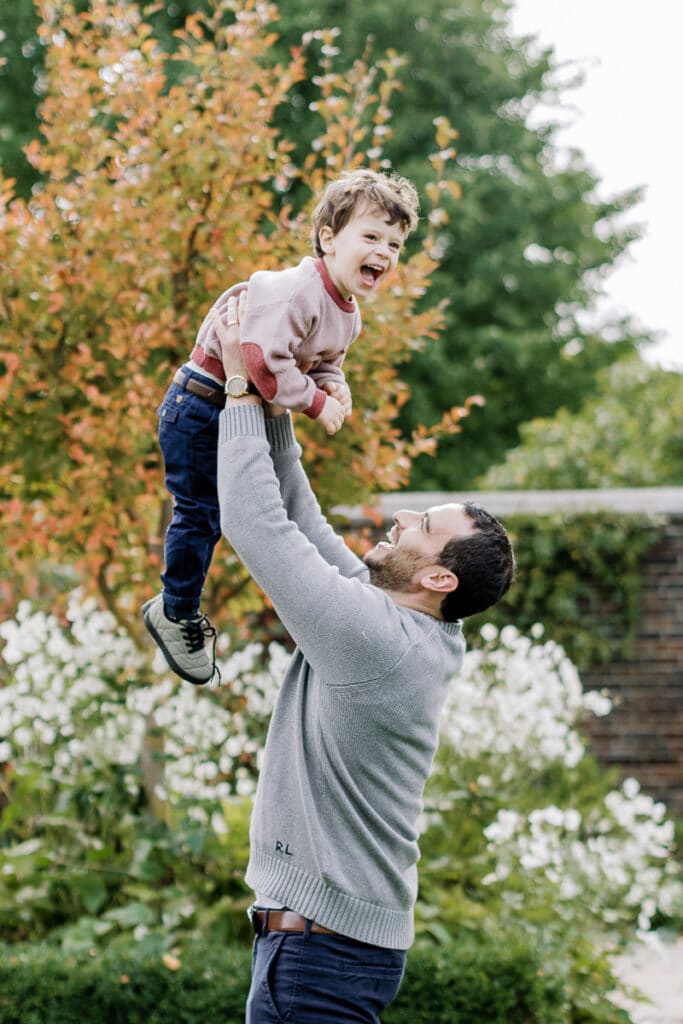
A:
[296, 330]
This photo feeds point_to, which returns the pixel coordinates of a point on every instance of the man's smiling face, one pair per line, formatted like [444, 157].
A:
[414, 543]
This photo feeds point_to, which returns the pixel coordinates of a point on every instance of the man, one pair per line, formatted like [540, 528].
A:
[333, 839]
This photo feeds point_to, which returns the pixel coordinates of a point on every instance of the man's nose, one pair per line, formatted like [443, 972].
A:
[404, 517]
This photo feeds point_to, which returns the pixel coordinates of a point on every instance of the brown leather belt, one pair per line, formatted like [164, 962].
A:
[284, 921]
[213, 395]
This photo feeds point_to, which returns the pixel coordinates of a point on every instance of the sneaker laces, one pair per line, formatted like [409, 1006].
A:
[195, 633]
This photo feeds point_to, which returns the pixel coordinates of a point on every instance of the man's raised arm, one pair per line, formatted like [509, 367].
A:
[301, 503]
[298, 498]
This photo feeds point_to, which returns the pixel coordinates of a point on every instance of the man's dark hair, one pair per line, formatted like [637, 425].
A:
[483, 562]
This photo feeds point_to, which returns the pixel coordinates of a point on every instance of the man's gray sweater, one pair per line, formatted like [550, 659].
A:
[355, 727]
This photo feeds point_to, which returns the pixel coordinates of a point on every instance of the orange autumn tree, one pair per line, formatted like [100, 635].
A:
[164, 181]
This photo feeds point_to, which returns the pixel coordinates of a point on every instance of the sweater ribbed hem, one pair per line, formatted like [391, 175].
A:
[311, 897]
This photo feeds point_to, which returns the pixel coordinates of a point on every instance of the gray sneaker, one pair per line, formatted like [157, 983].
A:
[183, 643]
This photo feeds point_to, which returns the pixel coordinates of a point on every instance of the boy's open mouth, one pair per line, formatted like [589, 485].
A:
[370, 274]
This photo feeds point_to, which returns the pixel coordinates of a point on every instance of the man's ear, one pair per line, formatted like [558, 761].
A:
[440, 579]
[326, 239]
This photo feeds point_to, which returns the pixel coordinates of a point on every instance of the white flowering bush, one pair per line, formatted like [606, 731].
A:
[81, 696]
[124, 795]
[91, 743]
[516, 703]
[618, 856]
[524, 832]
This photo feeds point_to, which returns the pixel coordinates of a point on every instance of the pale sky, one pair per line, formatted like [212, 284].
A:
[627, 122]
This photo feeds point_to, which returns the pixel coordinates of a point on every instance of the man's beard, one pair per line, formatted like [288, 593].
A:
[396, 570]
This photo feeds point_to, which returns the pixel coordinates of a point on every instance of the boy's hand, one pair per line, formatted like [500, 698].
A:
[342, 393]
[332, 415]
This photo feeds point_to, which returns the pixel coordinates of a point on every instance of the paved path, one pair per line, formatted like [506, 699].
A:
[658, 973]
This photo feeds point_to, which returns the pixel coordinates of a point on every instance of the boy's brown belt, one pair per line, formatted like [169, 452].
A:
[213, 395]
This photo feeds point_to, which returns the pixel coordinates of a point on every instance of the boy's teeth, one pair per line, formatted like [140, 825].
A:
[371, 268]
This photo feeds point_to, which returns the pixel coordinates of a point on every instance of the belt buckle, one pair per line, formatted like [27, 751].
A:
[254, 919]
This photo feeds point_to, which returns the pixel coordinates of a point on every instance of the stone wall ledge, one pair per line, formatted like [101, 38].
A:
[663, 501]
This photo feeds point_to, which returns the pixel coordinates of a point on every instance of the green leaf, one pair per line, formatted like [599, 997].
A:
[90, 890]
[132, 915]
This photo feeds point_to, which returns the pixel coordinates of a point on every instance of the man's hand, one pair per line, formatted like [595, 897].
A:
[342, 393]
[332, 415]
[229, 337]
[228, 333]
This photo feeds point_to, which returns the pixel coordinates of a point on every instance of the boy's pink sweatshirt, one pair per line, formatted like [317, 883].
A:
[294, 317]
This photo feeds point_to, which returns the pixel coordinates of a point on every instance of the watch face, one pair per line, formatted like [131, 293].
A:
[236, 387]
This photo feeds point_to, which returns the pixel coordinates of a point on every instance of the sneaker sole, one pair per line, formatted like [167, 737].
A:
[164, 650]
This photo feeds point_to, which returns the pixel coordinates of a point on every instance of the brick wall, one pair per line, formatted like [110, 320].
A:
[643, 736]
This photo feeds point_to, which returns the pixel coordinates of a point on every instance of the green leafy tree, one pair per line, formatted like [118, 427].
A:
[22, 73]
[628, 435]
[21, 82]
[525, 248]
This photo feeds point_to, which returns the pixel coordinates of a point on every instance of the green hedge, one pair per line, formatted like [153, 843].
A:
[580, 574]
[495, 984]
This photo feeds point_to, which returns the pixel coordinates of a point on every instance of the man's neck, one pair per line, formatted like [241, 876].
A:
[418, 602]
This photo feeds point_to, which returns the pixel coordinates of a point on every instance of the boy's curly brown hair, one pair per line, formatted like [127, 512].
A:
[390, 193]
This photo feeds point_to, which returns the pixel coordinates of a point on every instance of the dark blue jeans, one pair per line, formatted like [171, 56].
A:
[300, 978]
[188, 436]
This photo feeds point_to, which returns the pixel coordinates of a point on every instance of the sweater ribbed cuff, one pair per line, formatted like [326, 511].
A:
[241, 421]
[280, 433]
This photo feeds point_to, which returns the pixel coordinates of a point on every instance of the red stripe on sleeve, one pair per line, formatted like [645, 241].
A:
[262, 377]
[316, 406]
[207, 362]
